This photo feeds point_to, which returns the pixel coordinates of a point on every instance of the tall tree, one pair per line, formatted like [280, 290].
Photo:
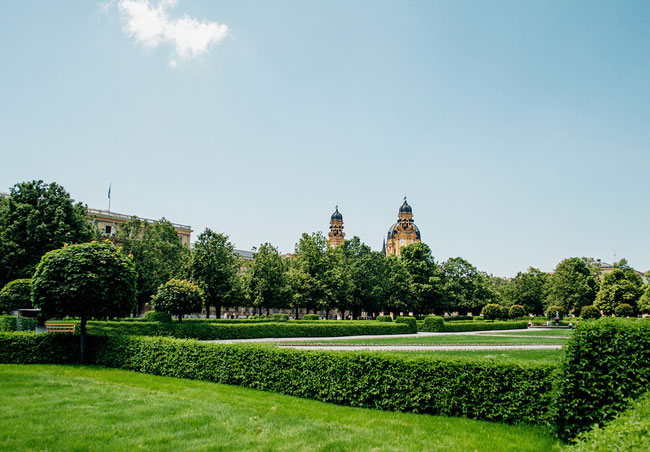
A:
[34, 219]
[215, 268]
[621, 285]
[527, 289]
[572, 286]
[309, 272]
[426, 282]
[157, 252]
[398, 290]
[265, 281]
[467, 289]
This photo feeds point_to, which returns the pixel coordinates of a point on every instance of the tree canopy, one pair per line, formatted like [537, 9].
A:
[620, 286]
[178, 297]
[266, 284]
[571, 286]
[16, 294]
[34, 219]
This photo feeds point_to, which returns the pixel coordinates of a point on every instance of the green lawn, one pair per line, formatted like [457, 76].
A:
[532, 332]
[443, 339]
[94, 409]
[537, 356]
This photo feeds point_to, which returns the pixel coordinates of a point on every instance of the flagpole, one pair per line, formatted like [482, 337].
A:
[109, 196]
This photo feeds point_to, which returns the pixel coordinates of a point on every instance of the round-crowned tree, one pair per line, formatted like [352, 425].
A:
[178, 297]
[555, 310]
[644, 301]
[491, 311]
[590, 312]
[90, 281]
[517, 310]
[16, 294]
[624, 310]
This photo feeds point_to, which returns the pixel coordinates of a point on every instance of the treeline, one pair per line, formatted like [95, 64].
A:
[350, 279]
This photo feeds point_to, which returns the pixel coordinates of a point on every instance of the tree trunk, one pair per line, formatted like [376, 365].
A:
[217, 311]
[207, 311]
[268, 312]
[83, 345]
[180, 318]
[296, 317]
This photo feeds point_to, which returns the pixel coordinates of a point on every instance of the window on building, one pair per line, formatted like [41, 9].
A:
[109, 229]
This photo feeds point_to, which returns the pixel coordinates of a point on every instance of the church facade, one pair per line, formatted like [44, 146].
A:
[401, 234]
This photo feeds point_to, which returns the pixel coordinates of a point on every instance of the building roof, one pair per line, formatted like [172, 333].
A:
[246, 255]
[337, 215]
[405, 208]
[123, 217]
[392, 232]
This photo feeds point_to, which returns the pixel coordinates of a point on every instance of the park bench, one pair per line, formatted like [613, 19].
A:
[60, 327]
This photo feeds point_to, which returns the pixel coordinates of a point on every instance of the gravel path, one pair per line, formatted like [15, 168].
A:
[421, 348]
[375, 336]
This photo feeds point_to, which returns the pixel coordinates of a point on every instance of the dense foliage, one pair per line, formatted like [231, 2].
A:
[516, 311]
[178, 297]
[590, 312]
[155, 316]
[606, 362]
[621, 286]
[491, 312]
[16, 294]
[571, 286]
[34, 219]
[265, 283]
[624, 310]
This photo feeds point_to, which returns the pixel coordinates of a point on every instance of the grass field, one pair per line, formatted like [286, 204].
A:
[529, 356]
[442, 339]
[533, 332]
[94, 409]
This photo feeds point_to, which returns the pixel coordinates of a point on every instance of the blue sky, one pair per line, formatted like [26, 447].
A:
[520, 131]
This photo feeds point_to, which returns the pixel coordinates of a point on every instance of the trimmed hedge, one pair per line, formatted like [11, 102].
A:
[607, 361]
[457, 327]
[7, 323]
[157, 316]
[410, 321]
[311, 317]
[215, 331]
[628, 431]
[433, 323]
[453, 318]
[31, 348]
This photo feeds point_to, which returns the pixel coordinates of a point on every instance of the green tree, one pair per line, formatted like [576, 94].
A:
[621, 286]
[34, 219]
[215, 268]
[426, 282]
[157, 252]
[466, 288]
[398, 290]
[308, 273]
[16, 294]
[178, 297]
[90, 281]
[527, 289]
[571, 286]
[644, 302]
[265, 282]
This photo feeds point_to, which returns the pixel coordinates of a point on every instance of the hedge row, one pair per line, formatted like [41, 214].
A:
[472, 388]
[438, 324]
[606, 362]
[216, 331]
[627, 432]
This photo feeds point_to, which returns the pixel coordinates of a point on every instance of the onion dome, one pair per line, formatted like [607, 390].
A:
[337, 215]
[405, 208]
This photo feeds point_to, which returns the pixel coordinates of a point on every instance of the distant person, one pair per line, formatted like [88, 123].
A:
[570, 325]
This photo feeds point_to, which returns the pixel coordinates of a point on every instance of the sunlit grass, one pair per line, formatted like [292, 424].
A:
[443, 339]
[94, 409]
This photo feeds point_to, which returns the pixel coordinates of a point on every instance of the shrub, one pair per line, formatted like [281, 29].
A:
[624, 310]
[410, 321]
[554, 310]
[280, 317]
[606, 362]
[16, 294]
[311, 317]
[205, 330]
[453, 318]
[504, 313]
[516, 310]
[25, 324]
[384, 318]
[457, 327]
[433, 323]
[178, 297]
[627, 432]
[7, 323]
[590, 312]
[156, 316]
[30, 348]
[491, 311]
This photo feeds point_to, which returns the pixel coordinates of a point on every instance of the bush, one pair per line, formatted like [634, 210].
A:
[457, 327]
[178, 297]
[204, 330]
[590, 312]
[155, 316]
[384, 318]
[26, 324]
[554, 310]
[516, 310]
[627, 432]
[491, 311]
[606, 362]
[453, 318]
[504, 313]
[410, 321]
[30, 348]
[280, 317]
[7, 323]
[311, 317]
[433, 324]
[16, 294]
[624, 310]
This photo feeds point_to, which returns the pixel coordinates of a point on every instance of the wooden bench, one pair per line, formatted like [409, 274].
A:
[60, 327]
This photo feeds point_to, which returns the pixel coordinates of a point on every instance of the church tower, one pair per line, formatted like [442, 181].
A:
[402, 233]
[336, 234]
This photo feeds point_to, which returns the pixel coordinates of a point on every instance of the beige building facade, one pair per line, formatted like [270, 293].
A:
[402, 233]
[336, 236]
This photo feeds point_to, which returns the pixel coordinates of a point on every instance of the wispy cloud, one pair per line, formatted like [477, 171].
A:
[151, 25]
